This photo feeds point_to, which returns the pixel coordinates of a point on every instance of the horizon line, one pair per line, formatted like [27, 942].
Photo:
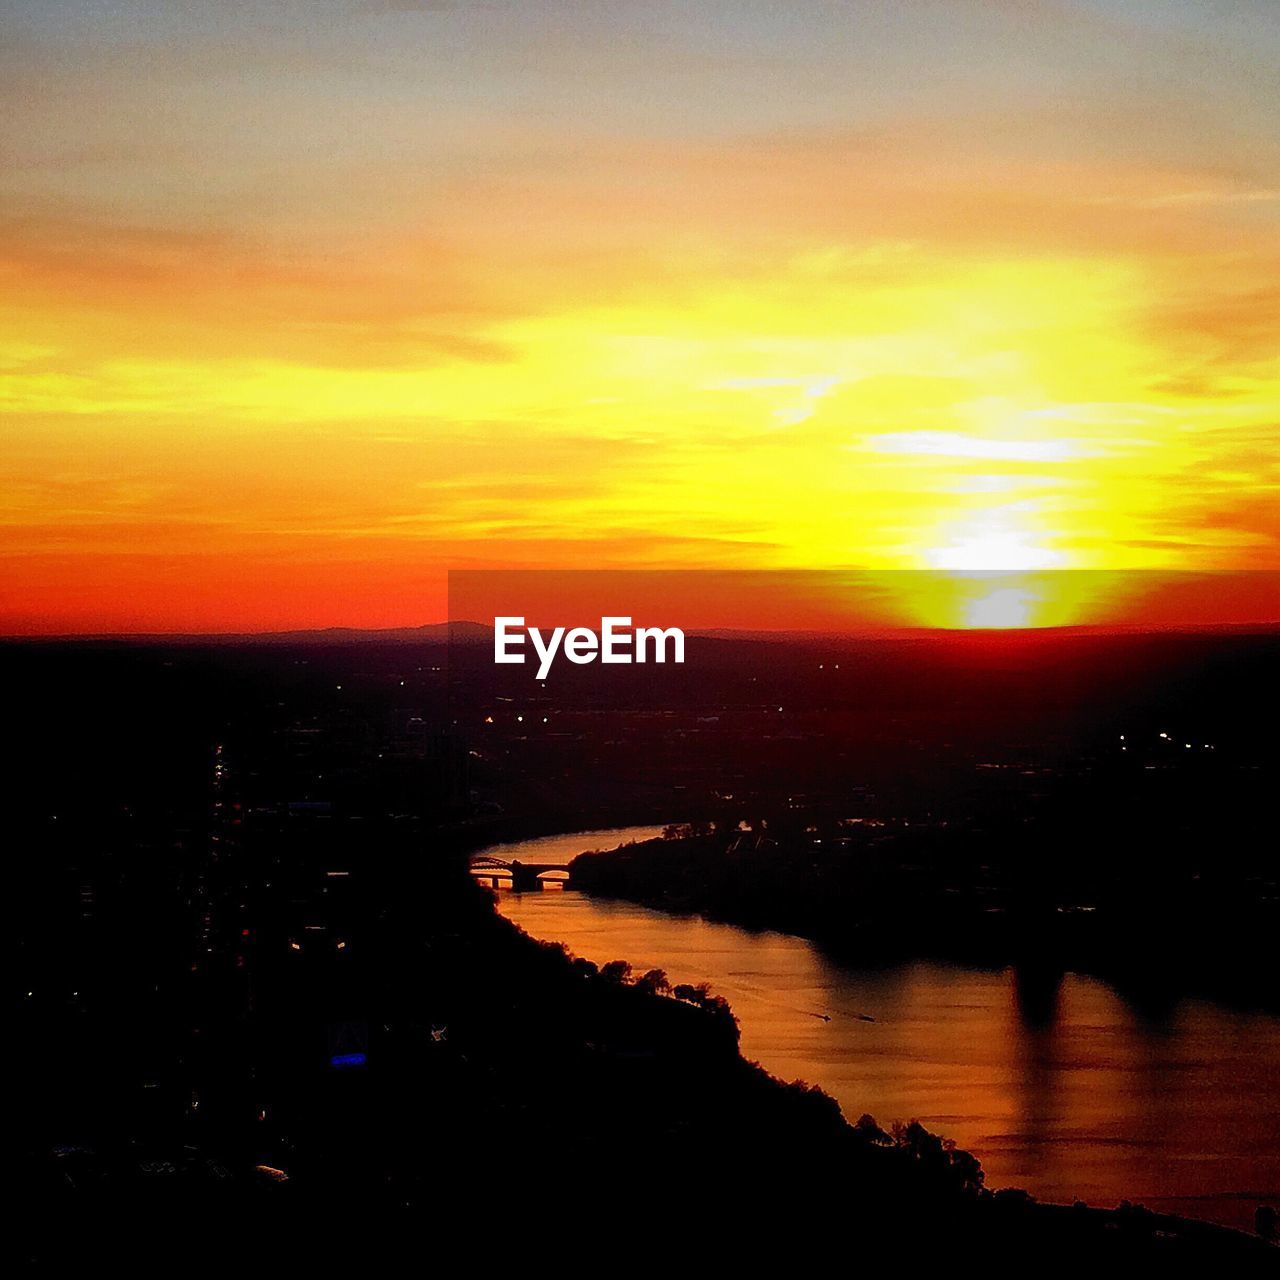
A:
[882, 630]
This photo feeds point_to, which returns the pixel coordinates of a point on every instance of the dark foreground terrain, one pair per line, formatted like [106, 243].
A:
[504, 1088]
[261, 1016]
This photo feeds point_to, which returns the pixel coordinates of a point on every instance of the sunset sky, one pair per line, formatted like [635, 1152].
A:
[307, 303]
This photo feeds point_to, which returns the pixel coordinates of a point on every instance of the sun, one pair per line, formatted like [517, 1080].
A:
[1000, 607]
[1003, 599]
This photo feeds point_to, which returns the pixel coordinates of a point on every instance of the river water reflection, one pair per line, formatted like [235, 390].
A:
[1058, 1086]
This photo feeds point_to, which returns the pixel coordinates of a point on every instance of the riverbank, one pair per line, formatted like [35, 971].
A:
[874, 1181]
[903, 898]
[544, 915]
[1062, 1083]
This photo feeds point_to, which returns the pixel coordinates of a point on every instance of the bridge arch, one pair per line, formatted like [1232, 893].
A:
[524, 875]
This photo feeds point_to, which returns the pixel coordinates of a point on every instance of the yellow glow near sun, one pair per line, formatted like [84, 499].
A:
[998, 600]
[943, 415]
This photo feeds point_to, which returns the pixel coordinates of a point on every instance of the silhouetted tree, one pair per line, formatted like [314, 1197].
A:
[655, 982]
[940, 1158]
[1012, 1195]
[869, 1131]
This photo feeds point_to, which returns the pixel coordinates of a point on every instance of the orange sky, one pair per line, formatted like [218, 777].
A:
[306, 304]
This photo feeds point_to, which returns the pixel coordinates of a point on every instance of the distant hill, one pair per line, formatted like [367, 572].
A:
[431, 633]
[466, 632]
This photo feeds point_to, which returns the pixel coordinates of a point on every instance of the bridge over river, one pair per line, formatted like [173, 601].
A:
[523, 876]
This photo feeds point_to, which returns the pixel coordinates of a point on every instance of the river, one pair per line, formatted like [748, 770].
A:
[1060, 1086]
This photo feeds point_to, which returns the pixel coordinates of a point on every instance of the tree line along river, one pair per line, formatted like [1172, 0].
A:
[1056, 1083]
